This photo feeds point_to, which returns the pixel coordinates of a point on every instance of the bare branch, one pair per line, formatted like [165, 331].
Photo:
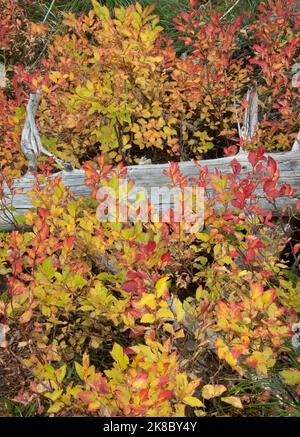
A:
[31, 144]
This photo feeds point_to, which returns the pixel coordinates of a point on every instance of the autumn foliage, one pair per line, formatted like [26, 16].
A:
[147, 101]
[144, 319]
[114, 84]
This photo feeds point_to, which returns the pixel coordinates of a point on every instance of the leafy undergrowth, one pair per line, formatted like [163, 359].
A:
[143, 319]
[114, 83]
[146, 318]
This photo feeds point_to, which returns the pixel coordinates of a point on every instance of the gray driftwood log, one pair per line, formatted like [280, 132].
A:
[151, 175]
[147, 175]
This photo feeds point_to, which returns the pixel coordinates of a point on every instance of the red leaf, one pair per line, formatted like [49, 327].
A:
[185, 16]
[166, 257]
[236, 167]
[43, 212]
[165, 395]
[100, 385]
[272, 167]
[130, 286]
[252, 158]
[151, 246]
[44, 231]
[296, 248]
[143, 394]
[70, 242]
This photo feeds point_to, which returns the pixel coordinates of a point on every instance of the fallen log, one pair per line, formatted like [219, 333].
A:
[148, 176]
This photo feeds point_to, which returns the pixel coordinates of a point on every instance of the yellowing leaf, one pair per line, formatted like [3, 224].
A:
[210, 391]
[192, 401]
[25, 317]
[90, 86]
[261, 361]
[165, 313]
[101, 11]
[178, 309]
[291, 376]
[149, 300]
[79, 370]
[203, 236]
[161, 286]
[54, 395]
[61, 373]
[234, 401]
[226, 260]
[148, 318]
[118, 355]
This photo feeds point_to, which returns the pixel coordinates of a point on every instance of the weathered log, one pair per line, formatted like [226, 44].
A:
[148, 176]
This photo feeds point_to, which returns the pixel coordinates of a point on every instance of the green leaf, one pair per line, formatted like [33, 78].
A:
[291, 376]
[101, 11]
[203, 236]
[47, 269]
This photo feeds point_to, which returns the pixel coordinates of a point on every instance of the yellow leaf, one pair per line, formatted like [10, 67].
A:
[234, 401]
[165, 313]
[192, 401]
[256, 291]
[161, 286]
[118, 355]
[54, 408]
[25, 317]
[85, 361]
[226, 260]
[61, 373]
[149, 300]
[178, 309]
[79, 370]
[90, 86]
[168, 327]
[54, 395]
[147, 318]
[101, 11]
[46, 311]
[202, 236]
[217, 250]
[210, 391]
[145, 113]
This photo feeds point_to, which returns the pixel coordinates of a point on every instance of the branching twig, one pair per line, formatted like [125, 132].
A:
[230, 9]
